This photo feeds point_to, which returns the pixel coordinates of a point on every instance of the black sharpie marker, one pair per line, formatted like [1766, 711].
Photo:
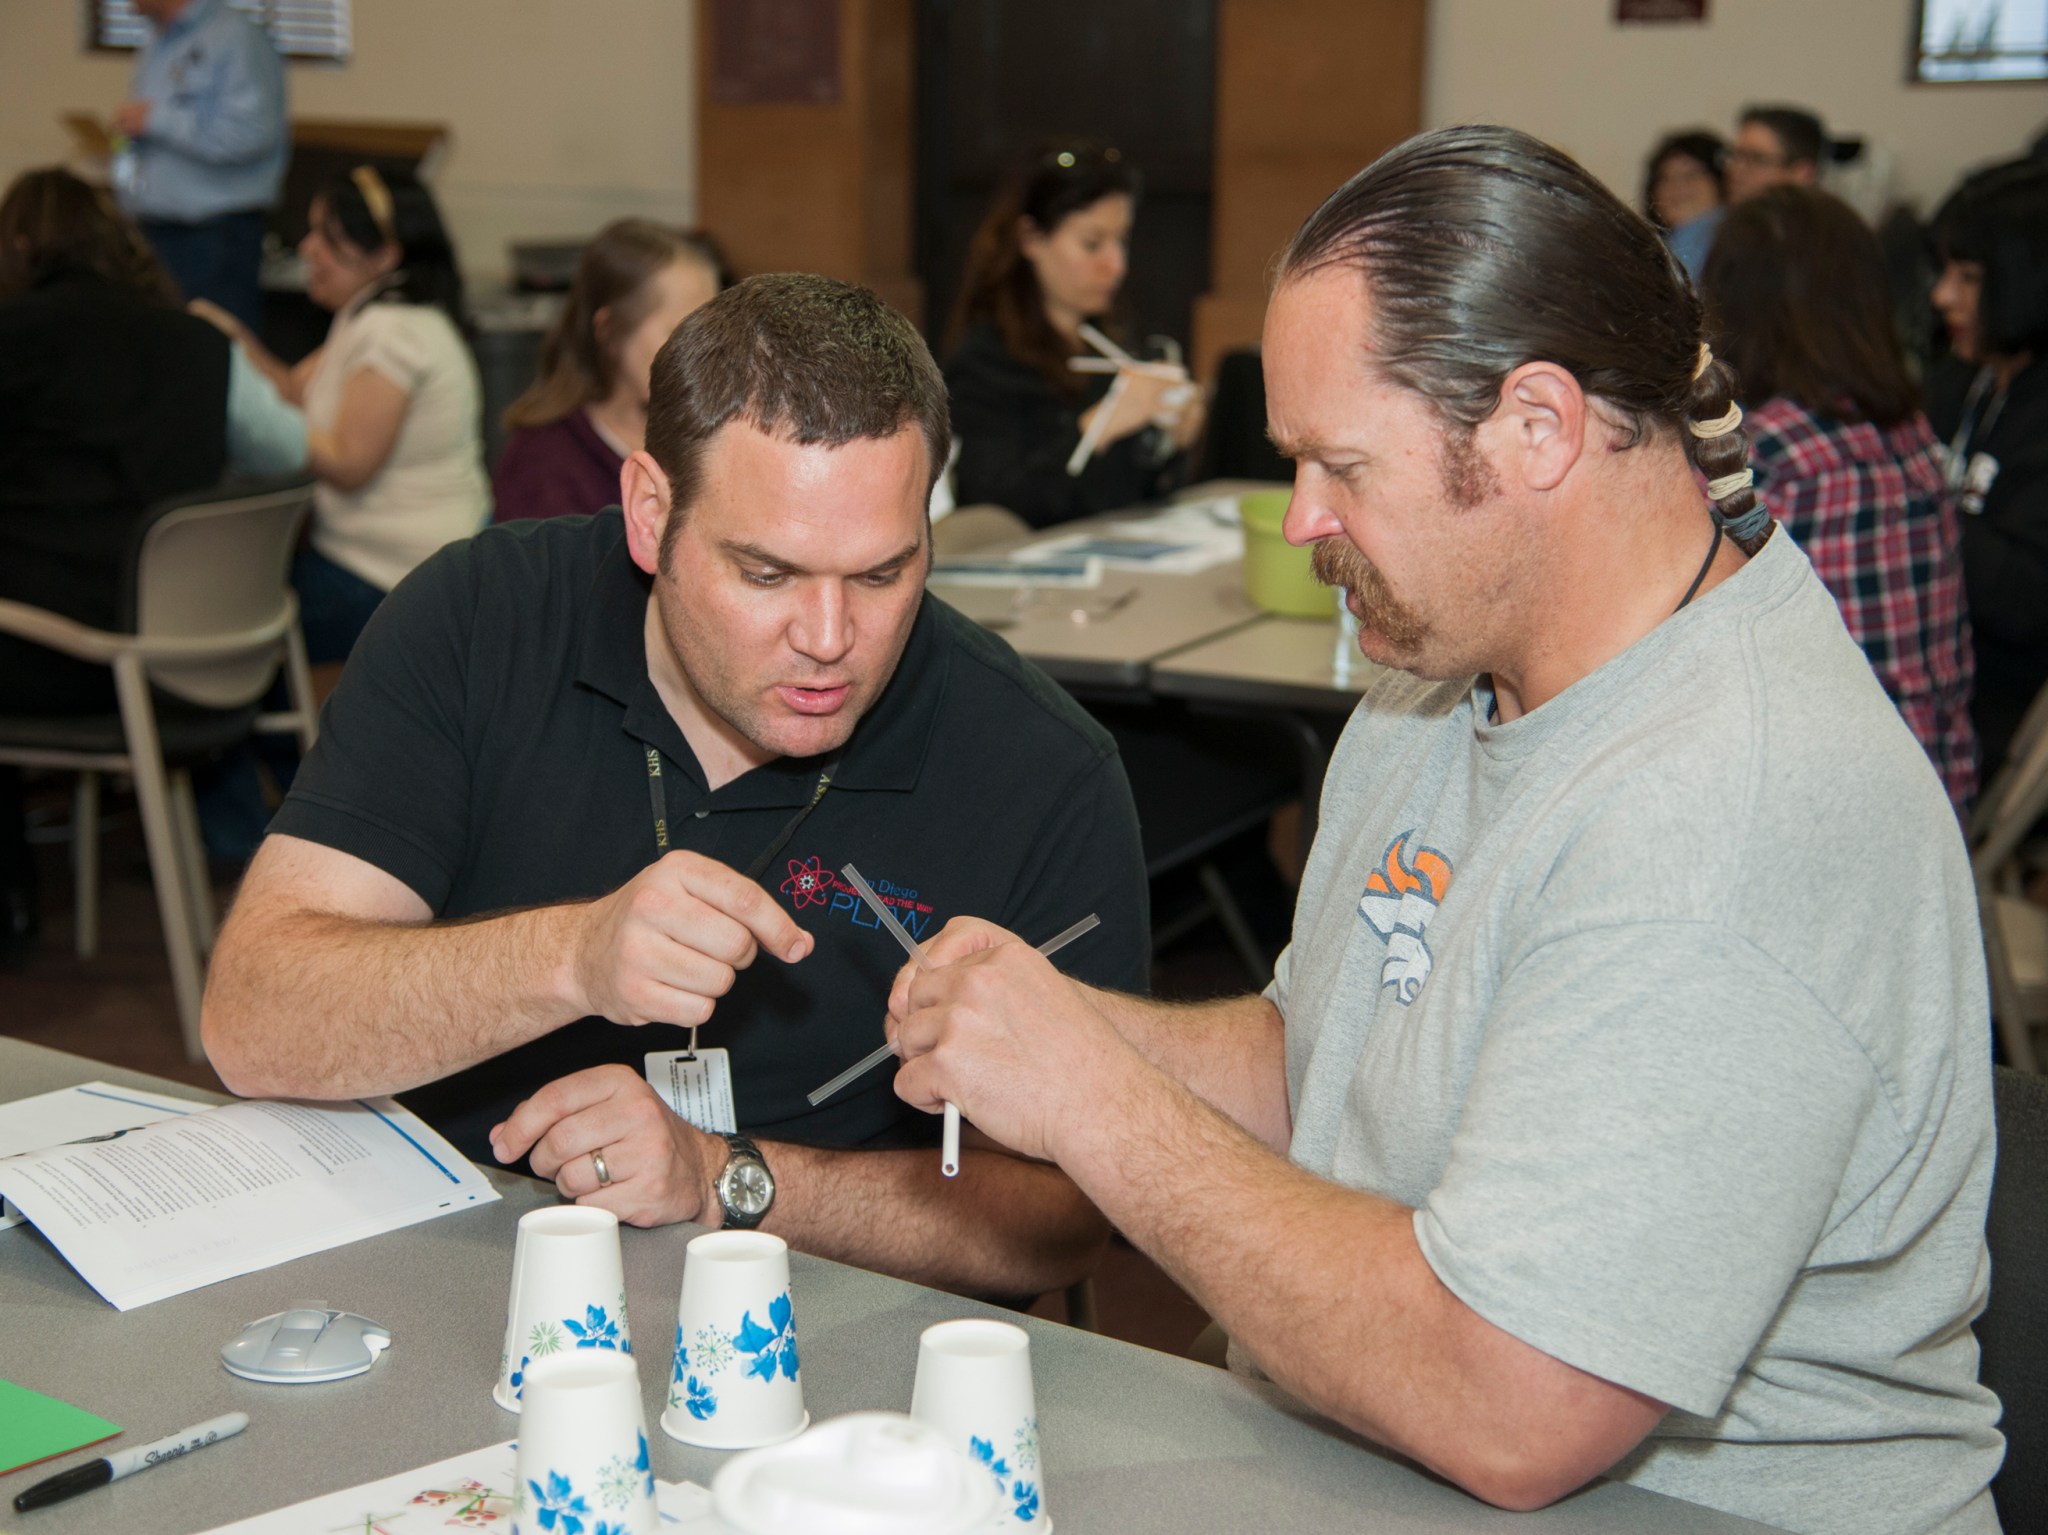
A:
[97, 1473]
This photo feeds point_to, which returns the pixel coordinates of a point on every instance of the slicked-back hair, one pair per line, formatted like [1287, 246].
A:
[805, 358]
[1801, 306]
[1998, 218]
[1482, 249]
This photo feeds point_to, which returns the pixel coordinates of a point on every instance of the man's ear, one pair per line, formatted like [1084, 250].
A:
[1538, 430]
[644, 496]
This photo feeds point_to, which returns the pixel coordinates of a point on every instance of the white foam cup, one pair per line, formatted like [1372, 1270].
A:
[734, 1378]
[582, 1456]
[568, 1293]
[974, 1387]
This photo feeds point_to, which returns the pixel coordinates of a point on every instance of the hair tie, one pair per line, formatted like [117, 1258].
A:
[377, 198]
[1706, 361]
[1728, 484]
[1746, 528]
[1720, 426]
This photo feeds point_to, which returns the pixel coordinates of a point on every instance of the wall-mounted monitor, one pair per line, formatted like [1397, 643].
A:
[1961, 41]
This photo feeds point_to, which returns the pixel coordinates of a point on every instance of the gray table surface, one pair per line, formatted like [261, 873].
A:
[1149, 615]
[1282, 663]
[1134, 1440]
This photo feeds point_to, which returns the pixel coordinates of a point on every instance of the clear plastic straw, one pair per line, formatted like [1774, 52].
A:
[874, 1058]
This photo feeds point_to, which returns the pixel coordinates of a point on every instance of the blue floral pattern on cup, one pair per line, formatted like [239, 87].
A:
[560, 1509]
[774, 1346]
[1023, 1495]
[596, 1330]
[763, 1351]
[558, 1506]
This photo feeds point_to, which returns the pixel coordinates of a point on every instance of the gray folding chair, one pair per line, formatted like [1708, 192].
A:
[2015, 929]
[212, 617]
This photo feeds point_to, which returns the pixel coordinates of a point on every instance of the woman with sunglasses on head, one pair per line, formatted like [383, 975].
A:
[392, 401]
[572, 430]
[1048, 260]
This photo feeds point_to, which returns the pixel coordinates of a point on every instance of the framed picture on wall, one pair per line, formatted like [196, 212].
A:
[1659, 10]
[1972, 41]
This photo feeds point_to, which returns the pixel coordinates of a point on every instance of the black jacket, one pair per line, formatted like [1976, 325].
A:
[2005, 539]
[108, 403]
[1016, 433]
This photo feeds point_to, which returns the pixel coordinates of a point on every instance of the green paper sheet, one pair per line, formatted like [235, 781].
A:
[34, 1427]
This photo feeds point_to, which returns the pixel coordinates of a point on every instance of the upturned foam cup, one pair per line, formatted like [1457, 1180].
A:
[734, 1378]
[974, 1387]
[568, 1293]
[582, 1456]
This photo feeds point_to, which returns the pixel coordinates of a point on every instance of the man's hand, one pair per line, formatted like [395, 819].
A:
[990, 1025]
[131, 118]
[665, 946]
[661, 1165]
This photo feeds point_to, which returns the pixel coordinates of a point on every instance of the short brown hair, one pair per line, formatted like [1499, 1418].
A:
[1801, 306]
[806, 358]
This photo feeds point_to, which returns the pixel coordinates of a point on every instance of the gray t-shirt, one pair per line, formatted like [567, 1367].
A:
[1664, 1005]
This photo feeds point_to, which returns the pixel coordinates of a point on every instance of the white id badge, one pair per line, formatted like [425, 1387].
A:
[697, 1086]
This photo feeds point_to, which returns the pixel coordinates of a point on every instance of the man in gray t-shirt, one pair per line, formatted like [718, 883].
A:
[1622, 1103]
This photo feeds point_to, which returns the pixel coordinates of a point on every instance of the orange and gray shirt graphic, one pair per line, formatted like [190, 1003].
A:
[1401, 896]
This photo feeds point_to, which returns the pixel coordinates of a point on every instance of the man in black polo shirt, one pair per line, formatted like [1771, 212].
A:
[581, 772]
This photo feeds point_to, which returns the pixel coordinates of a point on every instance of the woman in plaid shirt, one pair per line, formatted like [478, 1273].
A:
[1796, 288]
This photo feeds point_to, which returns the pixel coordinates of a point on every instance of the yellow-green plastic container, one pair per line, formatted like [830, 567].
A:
[1276, 574]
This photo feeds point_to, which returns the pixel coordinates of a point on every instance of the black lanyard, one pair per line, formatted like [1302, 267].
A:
[1971, 430]
[659, 798]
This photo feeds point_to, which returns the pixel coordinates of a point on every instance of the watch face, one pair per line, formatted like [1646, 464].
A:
[748, 1188]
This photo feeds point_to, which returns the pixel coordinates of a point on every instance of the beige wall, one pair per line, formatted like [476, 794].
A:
[1564, 70]
[564, 113]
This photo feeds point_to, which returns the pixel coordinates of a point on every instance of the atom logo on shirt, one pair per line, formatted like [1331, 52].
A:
[1401, 896]
[808, 883]
[812, 882]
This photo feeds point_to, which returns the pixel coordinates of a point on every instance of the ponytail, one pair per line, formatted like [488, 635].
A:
[1719, 449]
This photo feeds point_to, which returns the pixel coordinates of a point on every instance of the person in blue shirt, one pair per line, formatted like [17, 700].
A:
[207, 144]
[1684, 195]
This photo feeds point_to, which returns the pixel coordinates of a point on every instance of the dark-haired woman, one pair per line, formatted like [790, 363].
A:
[573, 429]
[1796, 291]
[391, 401]
[1683, 194]
[1049, 257]
[111, 399]
[1989, 405]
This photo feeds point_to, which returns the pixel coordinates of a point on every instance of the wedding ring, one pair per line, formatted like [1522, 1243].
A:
[604, 1174]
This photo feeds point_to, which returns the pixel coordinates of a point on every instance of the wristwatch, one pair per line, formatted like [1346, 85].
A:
[746, 1189]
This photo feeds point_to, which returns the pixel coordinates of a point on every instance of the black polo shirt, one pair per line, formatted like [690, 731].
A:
[487, 746]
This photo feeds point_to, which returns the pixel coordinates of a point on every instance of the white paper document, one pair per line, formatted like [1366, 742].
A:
[472, 1491]
[1182, 540]
[80, 1113]
[194, 1200]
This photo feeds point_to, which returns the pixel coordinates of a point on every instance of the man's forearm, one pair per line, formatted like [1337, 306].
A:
[312, 1005]
[1004, 1226]
[1328, 1290]
[1229, 1053]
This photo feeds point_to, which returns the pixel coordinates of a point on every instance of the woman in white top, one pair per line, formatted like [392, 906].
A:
[392, 401]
